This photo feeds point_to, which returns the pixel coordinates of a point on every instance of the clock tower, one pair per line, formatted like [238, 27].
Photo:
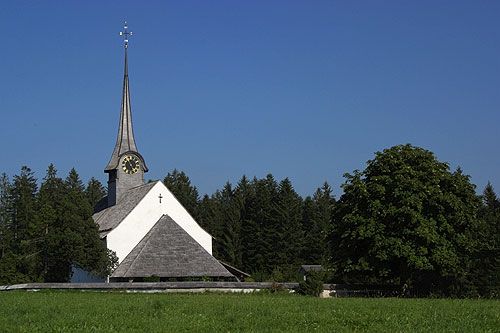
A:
[126, 167]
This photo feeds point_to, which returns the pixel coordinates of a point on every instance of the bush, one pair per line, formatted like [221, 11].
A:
[313, 285]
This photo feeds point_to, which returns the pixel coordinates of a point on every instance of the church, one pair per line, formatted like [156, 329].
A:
[150, 231]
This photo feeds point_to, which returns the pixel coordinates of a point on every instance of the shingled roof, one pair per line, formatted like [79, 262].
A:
[111, 217]
[169, 251]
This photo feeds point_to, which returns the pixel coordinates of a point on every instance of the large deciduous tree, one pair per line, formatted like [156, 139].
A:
[406, 220]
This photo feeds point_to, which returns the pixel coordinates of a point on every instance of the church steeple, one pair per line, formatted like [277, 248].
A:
[126, 167]
[125, 141]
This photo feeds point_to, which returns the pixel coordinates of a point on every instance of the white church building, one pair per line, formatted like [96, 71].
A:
[150, 231]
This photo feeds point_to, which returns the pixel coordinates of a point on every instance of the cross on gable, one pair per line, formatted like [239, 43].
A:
[160, 197]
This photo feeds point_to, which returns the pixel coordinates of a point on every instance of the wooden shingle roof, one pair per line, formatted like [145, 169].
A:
[169, 251]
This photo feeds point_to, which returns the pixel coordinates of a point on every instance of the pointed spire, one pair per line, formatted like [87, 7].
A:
[125, 141]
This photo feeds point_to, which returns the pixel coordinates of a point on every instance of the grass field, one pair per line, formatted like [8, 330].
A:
[129, 312]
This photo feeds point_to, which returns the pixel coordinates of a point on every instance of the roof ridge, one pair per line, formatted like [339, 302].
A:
[144, 185]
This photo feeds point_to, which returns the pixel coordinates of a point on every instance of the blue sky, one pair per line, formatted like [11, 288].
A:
[302, 89]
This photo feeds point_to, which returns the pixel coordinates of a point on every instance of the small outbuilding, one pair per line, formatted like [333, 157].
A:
[305, 269]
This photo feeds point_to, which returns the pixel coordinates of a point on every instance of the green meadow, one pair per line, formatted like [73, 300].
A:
[62, 311]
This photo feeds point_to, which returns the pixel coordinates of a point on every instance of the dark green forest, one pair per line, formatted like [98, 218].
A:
[405, 221]
[46, 229]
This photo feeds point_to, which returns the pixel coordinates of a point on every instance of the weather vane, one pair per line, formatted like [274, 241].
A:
[125, 34]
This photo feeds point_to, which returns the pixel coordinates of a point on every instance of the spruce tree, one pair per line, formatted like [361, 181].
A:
[285, 230]
[257, 229]
[94, 192]
[310, 250]
[8, 260]
[209, 214]
[230, 241]
[244, 194]
[88, 250]
[210, 218]
[73, 237]
[485, 272]
[5, 215]
[51, 199]
[26, 229]
[317, 220]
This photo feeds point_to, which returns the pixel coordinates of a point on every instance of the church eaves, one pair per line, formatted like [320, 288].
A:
[125, 141]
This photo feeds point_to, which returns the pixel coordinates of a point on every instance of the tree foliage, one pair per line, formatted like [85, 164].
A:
[317, 220]
[257, 226]
[406, 220]
[94, 192]
[486, 262]
[46, 231]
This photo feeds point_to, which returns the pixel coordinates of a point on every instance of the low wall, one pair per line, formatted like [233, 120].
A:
[159, 286]
[329, 290]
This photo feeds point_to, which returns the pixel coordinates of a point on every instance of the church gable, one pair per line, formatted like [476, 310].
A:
[172, 207]
[127, 222]
[168, 251]
[111, 217]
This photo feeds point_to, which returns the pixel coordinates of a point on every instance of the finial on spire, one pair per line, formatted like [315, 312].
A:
[125, 34]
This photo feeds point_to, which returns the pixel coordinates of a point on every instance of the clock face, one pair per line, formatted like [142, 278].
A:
[130, 164]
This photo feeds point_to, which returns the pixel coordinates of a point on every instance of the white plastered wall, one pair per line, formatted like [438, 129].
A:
[143, 217]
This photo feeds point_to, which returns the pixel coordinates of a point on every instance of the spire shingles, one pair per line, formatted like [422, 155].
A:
[125, 141]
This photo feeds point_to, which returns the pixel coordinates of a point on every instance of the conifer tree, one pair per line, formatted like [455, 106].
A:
[317, 220]
[8, 260]
[285, 230]
[230, 240]
[51, 199]
[73, 237]
[25, 226]
[5, 215]
[94, 192]
[257, 229]
[244, 194]
[309, 254]
[89, 252]
[209, 215]
[485, 271]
